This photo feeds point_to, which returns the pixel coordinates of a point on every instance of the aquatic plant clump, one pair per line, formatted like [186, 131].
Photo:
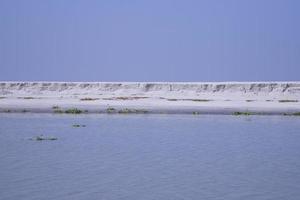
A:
[292, 114]
[242, 113]
[110, 110]
[89, 99]
[73, 111]
[131, 111]
[78, 125]
[41, 138]
[287, 101]
[55, 107]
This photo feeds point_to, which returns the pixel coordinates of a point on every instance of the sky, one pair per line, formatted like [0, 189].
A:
[150, 40]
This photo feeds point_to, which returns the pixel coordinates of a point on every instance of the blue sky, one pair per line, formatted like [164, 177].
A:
[150, 40]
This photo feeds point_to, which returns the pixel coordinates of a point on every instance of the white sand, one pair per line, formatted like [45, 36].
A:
[160, 97]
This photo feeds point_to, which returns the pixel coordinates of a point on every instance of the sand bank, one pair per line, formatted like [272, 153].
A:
[156, 97]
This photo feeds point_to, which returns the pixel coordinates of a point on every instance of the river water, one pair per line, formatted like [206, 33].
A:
[149, 157]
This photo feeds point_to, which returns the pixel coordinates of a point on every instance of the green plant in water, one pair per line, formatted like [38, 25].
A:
[287, 101]
[78, 125]
[292, 114]
[89, 99]
[200, 100]
[131, 111]
[58, 111]
[172, 99]
[242, 113]
[73, 111]
[110, 110]
[41, 138]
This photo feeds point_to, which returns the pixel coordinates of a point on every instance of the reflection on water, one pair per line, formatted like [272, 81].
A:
[149, 157]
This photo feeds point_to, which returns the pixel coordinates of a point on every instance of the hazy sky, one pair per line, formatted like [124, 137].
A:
[150, 40]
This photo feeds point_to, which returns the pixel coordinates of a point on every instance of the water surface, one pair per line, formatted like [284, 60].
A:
[149, 157]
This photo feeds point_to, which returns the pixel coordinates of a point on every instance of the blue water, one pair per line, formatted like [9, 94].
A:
[166, 157]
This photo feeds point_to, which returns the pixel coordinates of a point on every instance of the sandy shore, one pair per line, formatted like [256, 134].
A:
[142, 97]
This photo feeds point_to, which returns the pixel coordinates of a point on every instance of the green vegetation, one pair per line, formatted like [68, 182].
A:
[58, 111]
[172, 99]
[130, 111]
[26, 97]
[124, 98]
[196, 113]
[89, 99]
[110, 110]
[73, 111]
[41, 138]
[78, 125]
[126, 111]
[292, 114]
[242, 113]
[197, 100]
[130, 98]
[287, 101]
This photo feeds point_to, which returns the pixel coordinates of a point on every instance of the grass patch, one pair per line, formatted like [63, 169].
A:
[296, 114]
[89, 99]
[132, 111]
[242, 113]
[73, 111]
[287, 101]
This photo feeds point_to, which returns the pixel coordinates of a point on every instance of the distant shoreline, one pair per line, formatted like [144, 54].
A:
[237, 98]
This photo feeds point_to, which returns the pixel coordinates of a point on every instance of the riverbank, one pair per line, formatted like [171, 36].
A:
[141, 98]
